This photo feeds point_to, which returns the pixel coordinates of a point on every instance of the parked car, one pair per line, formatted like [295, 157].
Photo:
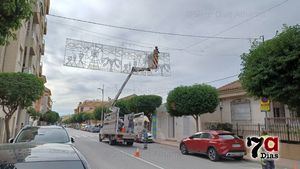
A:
[215, 144]
[141, 139]
[43, 134]
[42, 156]
[88, 128]
[95, 129]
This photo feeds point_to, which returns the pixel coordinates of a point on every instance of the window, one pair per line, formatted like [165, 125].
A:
[227, 136]
[196, 136]
[43, 135]
[49, 165]
[240, 110]
[205, 135]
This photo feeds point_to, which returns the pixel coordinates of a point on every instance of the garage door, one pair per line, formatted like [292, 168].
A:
[240, 110]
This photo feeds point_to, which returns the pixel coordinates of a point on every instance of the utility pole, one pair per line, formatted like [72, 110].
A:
[262, 37]
[102, 113]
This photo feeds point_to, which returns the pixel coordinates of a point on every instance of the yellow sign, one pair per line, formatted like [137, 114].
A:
[264, 104]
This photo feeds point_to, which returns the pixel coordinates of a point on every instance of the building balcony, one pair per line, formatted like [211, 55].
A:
[36, 14]
[45, 27]
[32, 44]
[28, 70]
[41, 69]
[43, 47]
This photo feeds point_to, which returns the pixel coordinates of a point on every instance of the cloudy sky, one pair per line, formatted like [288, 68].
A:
[199, 60]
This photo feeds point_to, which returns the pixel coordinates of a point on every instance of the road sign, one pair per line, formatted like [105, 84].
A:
[264, 104]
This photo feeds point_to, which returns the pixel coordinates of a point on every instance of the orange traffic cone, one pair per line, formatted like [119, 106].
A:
[137, 153]
[295, 165]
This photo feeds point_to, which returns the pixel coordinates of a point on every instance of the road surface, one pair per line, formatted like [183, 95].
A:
[100, 155]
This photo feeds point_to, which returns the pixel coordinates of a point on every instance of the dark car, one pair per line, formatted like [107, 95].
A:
[43, 156]
[215, 144]
[43, 134]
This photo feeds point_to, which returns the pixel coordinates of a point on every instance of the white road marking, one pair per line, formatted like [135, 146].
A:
[130, 155]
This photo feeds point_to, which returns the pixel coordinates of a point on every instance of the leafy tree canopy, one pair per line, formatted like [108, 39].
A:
[87, 116]
[51, 117]
[98, 112]
[19, 89]
[33, 113]
[192, 100]
[12, 15]
[272, 69]
[144, 103]
[124, 106]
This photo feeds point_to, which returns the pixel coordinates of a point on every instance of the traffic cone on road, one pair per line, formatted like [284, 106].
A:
[137, 153]
[295, 165]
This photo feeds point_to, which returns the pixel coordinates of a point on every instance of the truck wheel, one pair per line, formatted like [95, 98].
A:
[111, 141]
[129, 143]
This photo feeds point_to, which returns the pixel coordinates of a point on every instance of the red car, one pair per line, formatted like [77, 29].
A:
[215, 144]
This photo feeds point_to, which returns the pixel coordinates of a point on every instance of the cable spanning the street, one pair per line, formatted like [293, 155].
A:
[224, 78]
[150, 31]
[125, 41]
[240, 23]
[163, 91]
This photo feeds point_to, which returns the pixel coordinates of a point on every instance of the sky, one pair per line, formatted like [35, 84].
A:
[201, 60]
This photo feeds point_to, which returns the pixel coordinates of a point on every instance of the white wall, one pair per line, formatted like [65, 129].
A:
[183, 126]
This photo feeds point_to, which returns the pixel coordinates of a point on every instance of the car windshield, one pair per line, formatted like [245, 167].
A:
[45, 165]
[43, 135]
[227, 136]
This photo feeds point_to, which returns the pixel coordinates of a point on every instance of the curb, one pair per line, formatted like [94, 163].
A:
[158, 142]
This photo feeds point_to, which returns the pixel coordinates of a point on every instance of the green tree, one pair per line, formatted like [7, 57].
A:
[124, 106]
[272, 69]
[18, 90]
[192, 100]
[12, 15]
[145, 103]
[33, 113]
[78, 118]
[98, 112]
[51, 117]
[87, 116]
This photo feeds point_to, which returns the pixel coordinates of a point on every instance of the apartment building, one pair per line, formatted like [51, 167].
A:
[24, 55]
[89, 105]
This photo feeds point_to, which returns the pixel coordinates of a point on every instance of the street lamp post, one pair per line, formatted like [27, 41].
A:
[102, 114]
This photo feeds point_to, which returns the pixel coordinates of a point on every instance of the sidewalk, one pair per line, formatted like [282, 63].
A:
[282, 162]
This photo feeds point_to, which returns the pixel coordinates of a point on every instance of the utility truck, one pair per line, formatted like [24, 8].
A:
[121, 129]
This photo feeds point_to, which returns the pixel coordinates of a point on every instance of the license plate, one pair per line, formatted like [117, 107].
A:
[236, 145]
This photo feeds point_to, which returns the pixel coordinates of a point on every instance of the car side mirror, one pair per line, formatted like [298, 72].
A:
[11, 140]
[191, 137]
[72, 140]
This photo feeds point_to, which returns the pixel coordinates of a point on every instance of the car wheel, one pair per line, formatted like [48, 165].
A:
[184, 149]
[239, 158]
[212, 154]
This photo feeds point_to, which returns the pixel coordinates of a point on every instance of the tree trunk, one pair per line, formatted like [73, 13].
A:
[196, 117]
[150, 121]
[7, 131]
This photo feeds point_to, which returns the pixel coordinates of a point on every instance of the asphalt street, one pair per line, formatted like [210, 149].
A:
[100, 155]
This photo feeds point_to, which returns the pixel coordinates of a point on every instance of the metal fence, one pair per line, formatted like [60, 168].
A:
[287, 129]
[1, 129]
